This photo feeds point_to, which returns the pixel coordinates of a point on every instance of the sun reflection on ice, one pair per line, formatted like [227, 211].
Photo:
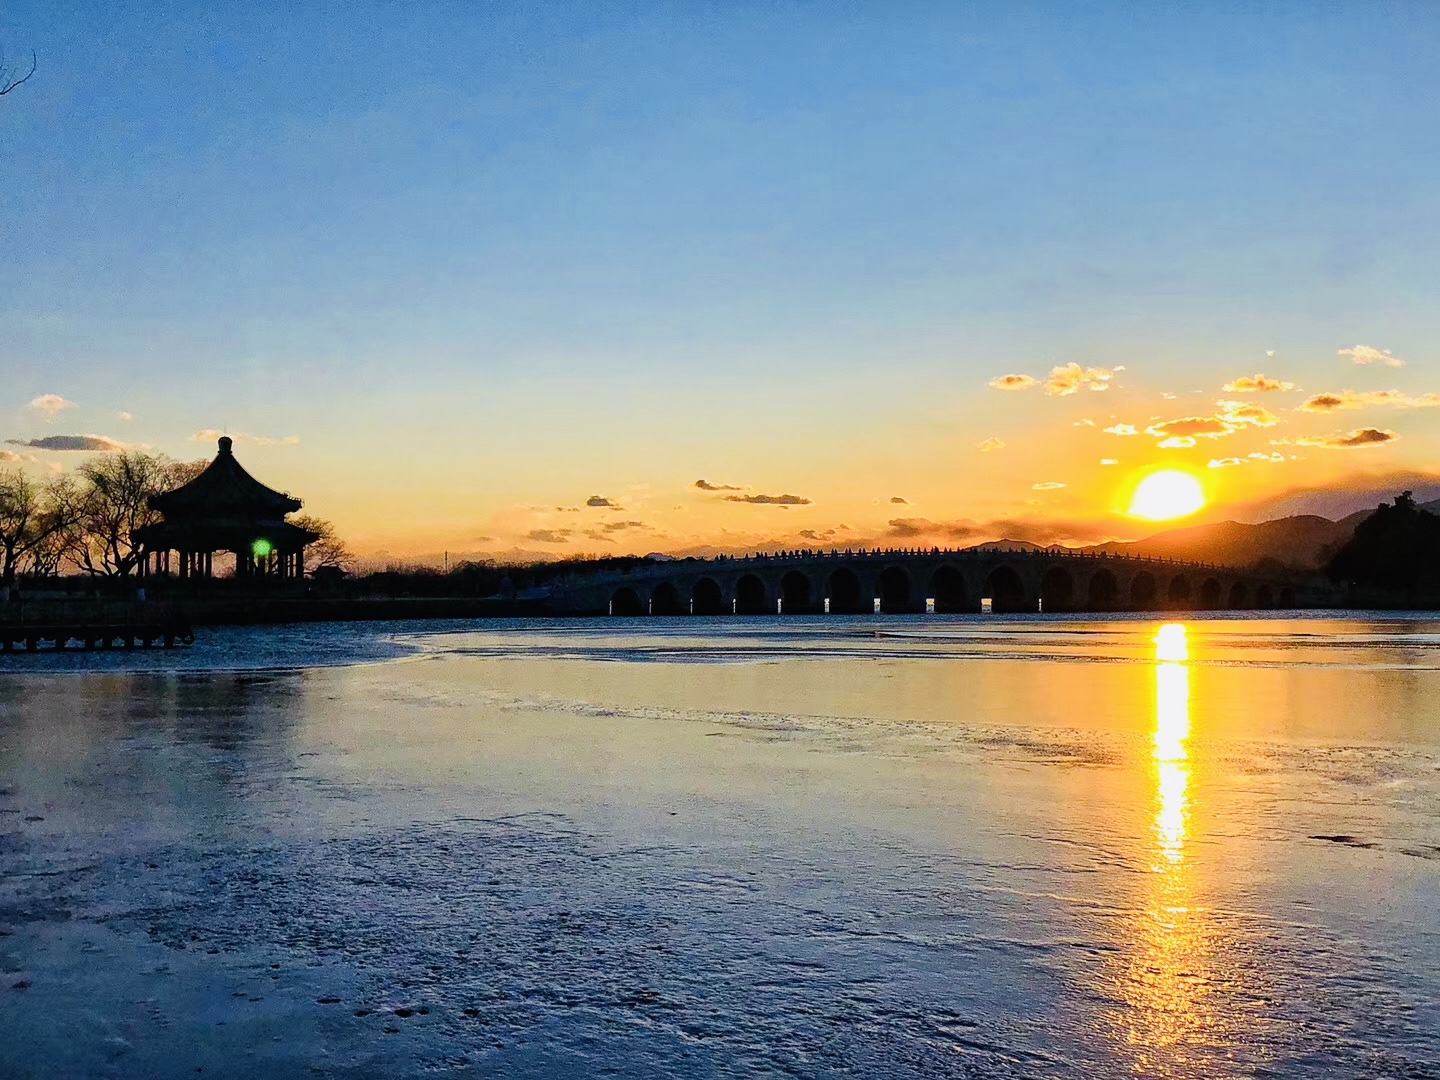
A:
[1169, 1026]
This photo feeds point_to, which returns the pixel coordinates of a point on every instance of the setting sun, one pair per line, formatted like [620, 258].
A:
[1166, 494]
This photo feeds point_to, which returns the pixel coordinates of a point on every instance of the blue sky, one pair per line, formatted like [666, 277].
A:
[484, 257]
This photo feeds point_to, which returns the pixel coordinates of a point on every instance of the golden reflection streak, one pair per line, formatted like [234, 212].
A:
[1167, 983]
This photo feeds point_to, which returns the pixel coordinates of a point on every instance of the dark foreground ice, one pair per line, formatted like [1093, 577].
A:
[742, 849]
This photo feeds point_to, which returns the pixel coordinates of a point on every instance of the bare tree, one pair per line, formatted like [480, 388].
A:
[111, 502]
[329, 550]
[9, 80]
[33, 520]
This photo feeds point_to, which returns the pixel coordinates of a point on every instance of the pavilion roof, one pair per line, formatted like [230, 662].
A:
[225, 490]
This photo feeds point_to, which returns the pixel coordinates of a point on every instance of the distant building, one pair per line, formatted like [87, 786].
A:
[225, 509]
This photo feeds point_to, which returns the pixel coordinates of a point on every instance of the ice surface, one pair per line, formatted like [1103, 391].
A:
[736, 848]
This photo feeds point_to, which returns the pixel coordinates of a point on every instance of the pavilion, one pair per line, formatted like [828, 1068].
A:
[225, 509]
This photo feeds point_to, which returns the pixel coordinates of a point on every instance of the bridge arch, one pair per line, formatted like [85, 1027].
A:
[1210, 593]
[1142, 591]
[1177, 593]
[1006, 590]
[846, 595]
[665, 600]
[1287, 597]
[1264, 596]
[1057, 590]
[895, 591]
[707, 598]
[750, 596]
[947, 586]
[626, 602]
[1239, 596]
[796, 594]
[1103, 591]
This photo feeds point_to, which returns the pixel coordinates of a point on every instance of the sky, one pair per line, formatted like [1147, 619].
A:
[511, 279]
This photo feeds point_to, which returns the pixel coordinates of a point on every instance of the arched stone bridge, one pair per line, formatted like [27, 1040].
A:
[903, 581]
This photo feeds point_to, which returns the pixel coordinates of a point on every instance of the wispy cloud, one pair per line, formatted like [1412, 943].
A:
[1226, 462]
[601, 501]
[210, 435]
[985, 446]
[1368, 354]
[1360, 399]
[1014, 382]
[898, 499]
[90, 443]
[769, 500]
[1047, 485]
[1177, 442]
[1109, 461]
[1255, 384]
[16, 459]
[1122, 429]
[51, 404]
[550, 536]
[1358, 439]
[622, 526]
[705, 485]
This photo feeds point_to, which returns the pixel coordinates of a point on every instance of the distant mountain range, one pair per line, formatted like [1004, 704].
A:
[1305, 540]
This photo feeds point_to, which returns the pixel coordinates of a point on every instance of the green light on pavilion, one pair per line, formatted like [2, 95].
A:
[262, 548]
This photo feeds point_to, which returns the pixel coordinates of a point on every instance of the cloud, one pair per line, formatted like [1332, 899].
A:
[1064, 381]
[811, 534]
[210, 435]
[1046, 531]
[1226, 462]
[1244, 412]
[1014, 382]
[568, 509]
[1108, 461]
[1260, 455]
[1255, 384]
[1122, 429]
[1350, 440]
[91, 443]
[1367, 354]
[621, 526]
[1192, 427]
[14, 458]
[705, 485]
[898, 499]
[1359, 399]
[1177, 442]
[985, 446]
[596, 534]
[600, 500]
[1047, 485]
[769, 500]
[51, 404]
[1083, 422]
[550, 536]
[127, 416]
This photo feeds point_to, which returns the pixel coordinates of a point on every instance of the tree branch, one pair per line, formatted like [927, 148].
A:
[7, 83]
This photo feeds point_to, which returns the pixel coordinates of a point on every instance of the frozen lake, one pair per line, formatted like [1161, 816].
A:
[953, 846]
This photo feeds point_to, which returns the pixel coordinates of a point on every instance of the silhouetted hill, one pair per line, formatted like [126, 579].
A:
[1014, 545]
[1395, 551]
[1304, 541]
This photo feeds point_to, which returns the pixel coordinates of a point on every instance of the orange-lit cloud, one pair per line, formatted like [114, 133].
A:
[1122, 429]
[1047, 485]
[1014, 382]
[1067, 380]
[1358, 439]
[769, 500]
[1360, 399]
[1254, 384]
[985, 446]
[210, 435]
[705, 485]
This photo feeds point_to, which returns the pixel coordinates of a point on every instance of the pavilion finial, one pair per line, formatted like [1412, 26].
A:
[225, 444]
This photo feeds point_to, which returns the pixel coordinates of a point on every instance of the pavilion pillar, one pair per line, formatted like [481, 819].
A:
[209, 564]
[300, 563]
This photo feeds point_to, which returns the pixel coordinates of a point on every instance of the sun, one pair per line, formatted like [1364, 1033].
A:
[1166, 494]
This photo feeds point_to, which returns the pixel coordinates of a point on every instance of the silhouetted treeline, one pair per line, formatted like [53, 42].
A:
[1395, 551]
[478, 579]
